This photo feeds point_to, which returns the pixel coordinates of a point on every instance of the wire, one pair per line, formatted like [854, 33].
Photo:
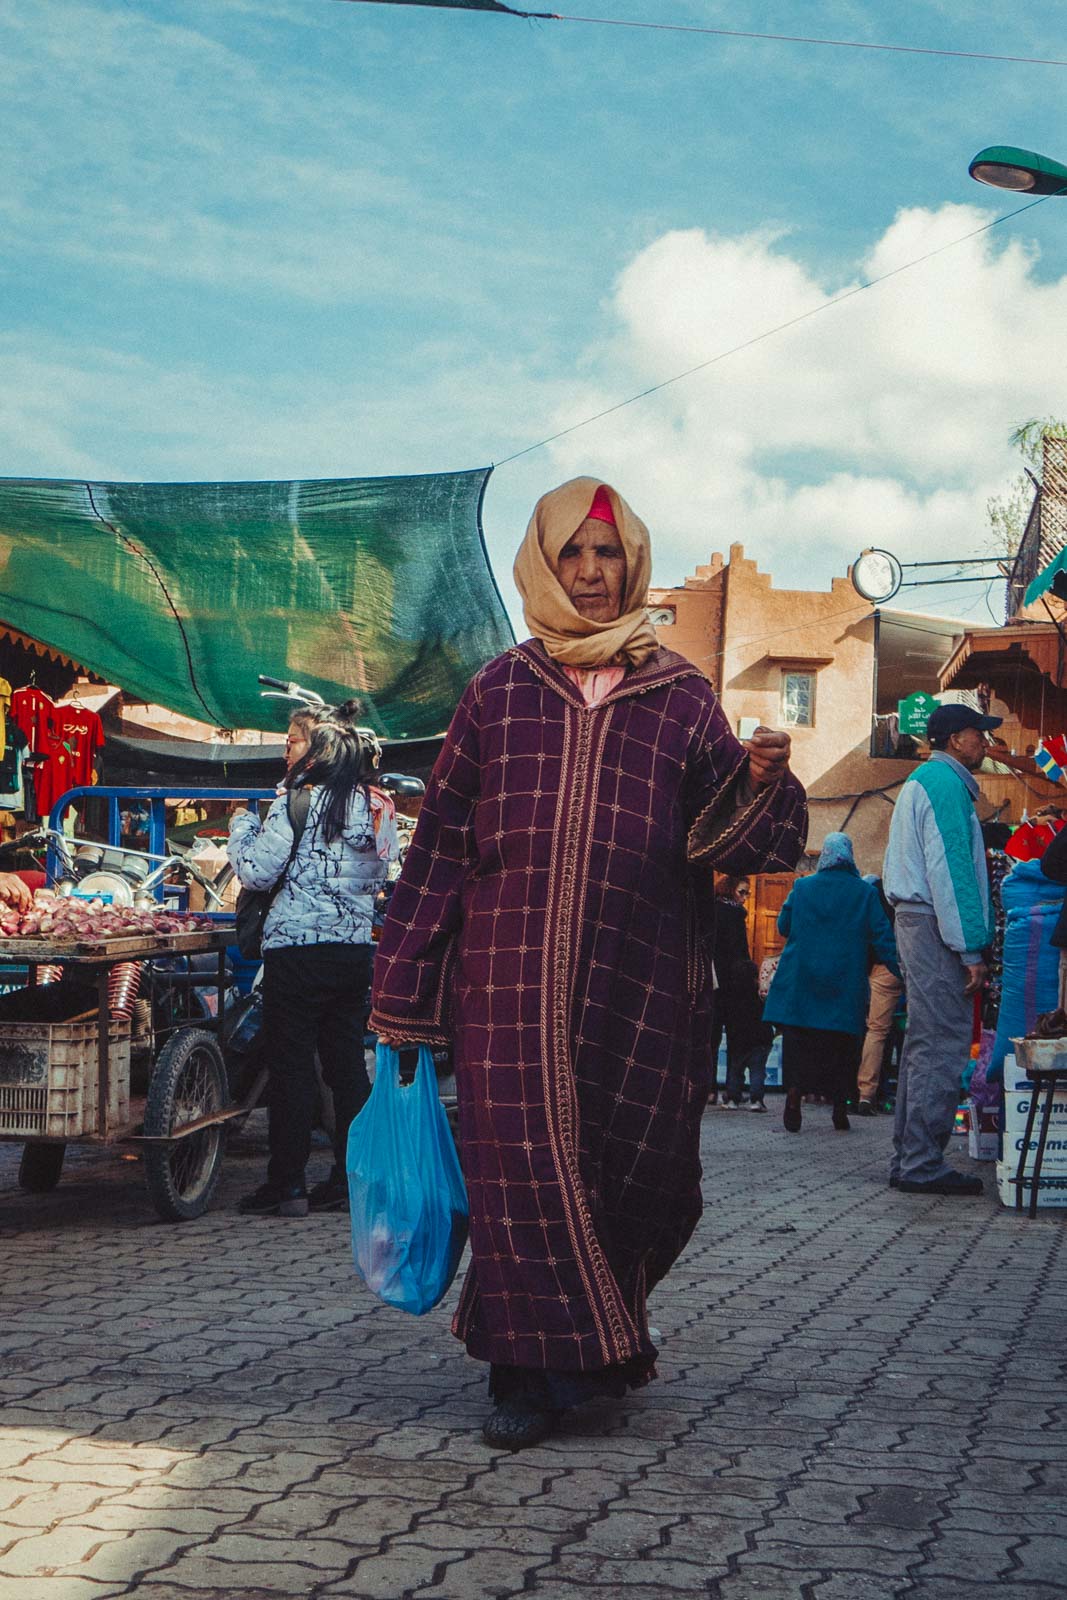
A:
[800, 38]
[762, 638]
[893, 618]
[780, 327]
[738, 33]
[860, 794]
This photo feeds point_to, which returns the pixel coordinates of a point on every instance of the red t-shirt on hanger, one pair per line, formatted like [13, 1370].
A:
[30, 710]
[71, 740]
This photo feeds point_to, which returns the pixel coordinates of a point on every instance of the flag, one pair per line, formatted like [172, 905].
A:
[1046, 759]
[1031, 839]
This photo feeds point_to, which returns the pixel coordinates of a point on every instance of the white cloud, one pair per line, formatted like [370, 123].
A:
[883, 420]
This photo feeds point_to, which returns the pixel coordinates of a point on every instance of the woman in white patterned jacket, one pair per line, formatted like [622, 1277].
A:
[329, 837]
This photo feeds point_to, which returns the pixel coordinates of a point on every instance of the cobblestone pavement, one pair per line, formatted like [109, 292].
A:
[860, 1399]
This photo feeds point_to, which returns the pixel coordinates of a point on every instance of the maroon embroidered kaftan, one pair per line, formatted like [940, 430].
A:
[547, 924]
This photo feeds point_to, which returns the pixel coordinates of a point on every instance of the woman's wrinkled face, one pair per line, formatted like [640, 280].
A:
[592, 569]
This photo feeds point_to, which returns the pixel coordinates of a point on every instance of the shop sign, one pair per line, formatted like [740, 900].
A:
[915, 711]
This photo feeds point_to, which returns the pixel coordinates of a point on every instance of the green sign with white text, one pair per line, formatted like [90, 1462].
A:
[914, 713]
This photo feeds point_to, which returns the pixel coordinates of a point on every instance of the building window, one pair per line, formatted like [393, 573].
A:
[798, 699]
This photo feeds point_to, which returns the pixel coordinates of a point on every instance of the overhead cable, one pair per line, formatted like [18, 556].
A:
[800, 38]
[500, 9]
[769, 333]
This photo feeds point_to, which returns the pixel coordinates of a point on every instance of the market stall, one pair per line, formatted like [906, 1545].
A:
[100, 988]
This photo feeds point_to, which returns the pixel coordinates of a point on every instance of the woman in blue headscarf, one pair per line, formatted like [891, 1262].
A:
[835, 927]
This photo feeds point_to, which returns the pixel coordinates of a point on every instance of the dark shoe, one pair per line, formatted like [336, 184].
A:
[792, 1115]
[275, 1200]
[840, 1118]
[894, 1180]
[515, 1426]
[756, 1105]
[951, 1183]
[329, 1195]
[865, 1108]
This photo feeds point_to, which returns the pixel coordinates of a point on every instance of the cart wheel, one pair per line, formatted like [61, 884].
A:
[188, 1082]
[40, 1167]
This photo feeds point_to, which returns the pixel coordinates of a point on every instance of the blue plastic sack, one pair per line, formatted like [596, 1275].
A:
[1031, 975]
[408, 1200]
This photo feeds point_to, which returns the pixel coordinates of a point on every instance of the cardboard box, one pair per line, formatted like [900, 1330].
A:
[983, 1134]
[1016, 1110]
[1051, 1189]
[1054, 1160]
[1017, 1104]
[1014, 1076]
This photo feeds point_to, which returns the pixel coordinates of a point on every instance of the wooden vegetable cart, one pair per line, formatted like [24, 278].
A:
[68, 1080]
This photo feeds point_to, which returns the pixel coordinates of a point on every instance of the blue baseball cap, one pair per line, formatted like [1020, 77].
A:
[947, 720]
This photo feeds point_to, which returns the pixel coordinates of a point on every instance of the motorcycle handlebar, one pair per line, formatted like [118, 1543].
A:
[274, 683]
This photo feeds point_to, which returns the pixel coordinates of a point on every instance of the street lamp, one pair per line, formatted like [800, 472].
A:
[1005, 167]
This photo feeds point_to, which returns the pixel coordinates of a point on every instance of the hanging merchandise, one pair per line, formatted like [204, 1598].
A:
[1031, 839]
[13, 775]
[73, 736]
[31, 709]
[5, 711]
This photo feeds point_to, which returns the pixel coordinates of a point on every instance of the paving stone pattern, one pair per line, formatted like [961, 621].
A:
[860, 1399]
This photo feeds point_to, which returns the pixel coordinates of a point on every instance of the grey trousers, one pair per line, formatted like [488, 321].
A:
[936, 1049]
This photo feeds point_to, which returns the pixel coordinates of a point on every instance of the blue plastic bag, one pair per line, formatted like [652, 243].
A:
[408, 1200]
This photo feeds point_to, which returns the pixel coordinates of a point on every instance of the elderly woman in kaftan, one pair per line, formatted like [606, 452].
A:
[552, 923]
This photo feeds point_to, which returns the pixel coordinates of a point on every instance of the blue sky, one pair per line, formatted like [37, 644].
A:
[280, 238]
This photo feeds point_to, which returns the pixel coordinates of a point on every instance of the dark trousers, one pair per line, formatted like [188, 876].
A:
[818, 1061]
[742, 1058]
[315, 998]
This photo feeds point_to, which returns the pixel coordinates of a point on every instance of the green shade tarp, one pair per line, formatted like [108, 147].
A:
[182, 593]
[1045, 579]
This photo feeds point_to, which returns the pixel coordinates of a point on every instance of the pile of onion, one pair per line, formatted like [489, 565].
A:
[59, 919]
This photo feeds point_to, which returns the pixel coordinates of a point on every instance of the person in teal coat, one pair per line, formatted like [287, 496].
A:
[835, 927]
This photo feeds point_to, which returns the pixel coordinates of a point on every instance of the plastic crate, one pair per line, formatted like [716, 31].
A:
[49, 1078]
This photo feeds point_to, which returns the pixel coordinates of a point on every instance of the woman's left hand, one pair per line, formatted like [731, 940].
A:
[768, 757]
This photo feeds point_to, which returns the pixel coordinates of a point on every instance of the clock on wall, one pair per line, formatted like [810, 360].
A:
[876, 575]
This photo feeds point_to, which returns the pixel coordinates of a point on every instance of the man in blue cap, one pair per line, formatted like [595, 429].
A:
[935, 878]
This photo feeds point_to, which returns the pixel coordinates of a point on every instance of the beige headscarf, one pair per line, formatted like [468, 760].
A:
[569, 638]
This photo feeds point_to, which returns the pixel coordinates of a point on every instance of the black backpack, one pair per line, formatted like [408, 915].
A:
[254, 904]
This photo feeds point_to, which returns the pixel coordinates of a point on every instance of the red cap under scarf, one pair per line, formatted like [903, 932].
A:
[600, 510]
